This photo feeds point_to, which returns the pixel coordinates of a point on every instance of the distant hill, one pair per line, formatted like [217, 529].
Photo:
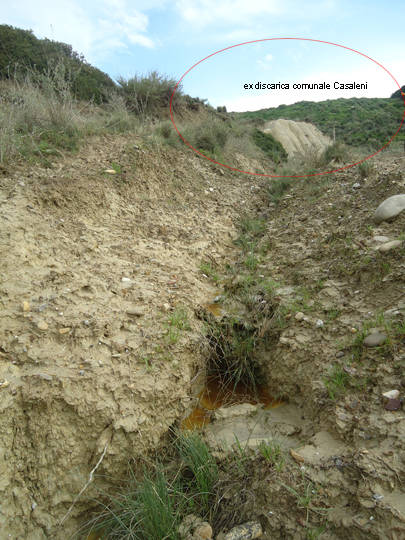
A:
[399, 93]
[355, 121]
[21, 51]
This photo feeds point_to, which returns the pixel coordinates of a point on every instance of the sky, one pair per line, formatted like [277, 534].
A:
[128, 37]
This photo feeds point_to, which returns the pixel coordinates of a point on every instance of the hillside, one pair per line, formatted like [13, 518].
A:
[355, 121]
[188, 351]
[22, 53]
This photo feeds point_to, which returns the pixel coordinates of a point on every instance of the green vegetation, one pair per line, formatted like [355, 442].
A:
[354, 121]
[305, 497]
[272, 148]
[277, 188]
[399, 93]
[177, 321]
[147, 95]
[21, 53]
[198, 458]
[273, 453]
[336, 381]
[207, 268]
[153, 506]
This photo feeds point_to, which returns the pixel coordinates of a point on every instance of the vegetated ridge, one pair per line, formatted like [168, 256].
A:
[354, 121]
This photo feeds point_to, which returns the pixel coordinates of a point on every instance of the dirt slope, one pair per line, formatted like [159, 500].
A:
[96, 271]
[336, 287]
[93, 268]
[297, 137]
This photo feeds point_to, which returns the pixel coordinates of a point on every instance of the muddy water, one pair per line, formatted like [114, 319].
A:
[216, 394]
[215, 309]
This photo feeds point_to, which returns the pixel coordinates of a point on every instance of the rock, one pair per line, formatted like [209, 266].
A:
[25, 306]
[296, 457]
[194, 528]
[391, 394]
[339, 354]
[45, 376]
[390, 208]
[4, 383]
[388, 246]
[244, 409]
[64, 330]
[42, 325]
[319, 323]
[381, 239]
[135, 312]
[299, 316]
[375, 339]
[247, 531]
[393, 405]
[356, 185]
[203, 530]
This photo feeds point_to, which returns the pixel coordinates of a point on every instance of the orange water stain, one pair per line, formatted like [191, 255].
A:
[94, 535]
[216, 394]
[215, 309]
[197, 419]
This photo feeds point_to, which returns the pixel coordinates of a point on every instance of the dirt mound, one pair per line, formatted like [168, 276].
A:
[297, 137]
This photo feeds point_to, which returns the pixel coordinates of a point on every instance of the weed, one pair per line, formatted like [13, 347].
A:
[277, 188]
[365, 169]
[198, 457]
[332, 314]
[251, 262]
[176, 322]
[304, 500]
[154, 507]
[179, 319]
[314, 534]
[273, 453]
[208, 269]
[231, 345]
[116, 167]
[252, 226]
[150, 509]
[336, 381]
[148, 362]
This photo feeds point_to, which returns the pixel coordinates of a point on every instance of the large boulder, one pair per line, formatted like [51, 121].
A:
[390, 208]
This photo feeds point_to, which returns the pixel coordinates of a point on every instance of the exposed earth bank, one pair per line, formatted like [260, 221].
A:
[297, 137]
[98, 268]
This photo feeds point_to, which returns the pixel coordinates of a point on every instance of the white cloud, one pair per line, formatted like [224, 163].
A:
[226, 12]
[93, 28]
[264, 63]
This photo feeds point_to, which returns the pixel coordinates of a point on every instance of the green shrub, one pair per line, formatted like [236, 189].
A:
[268, 144]
[147, 95]
[335, 152]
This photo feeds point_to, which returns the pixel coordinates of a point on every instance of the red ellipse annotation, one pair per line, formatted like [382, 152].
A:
[279, 39]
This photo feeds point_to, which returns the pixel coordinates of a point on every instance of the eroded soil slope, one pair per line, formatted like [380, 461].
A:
[297, 137]
[100, 346]
[337, 302]
[100, 276]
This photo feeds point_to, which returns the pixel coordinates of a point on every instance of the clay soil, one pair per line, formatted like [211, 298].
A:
[97, 270]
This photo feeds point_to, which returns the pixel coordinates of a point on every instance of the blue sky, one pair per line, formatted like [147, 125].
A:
[124, 37]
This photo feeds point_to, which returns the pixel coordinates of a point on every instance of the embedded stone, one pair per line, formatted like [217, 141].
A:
[390, 208]
[374, 340]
